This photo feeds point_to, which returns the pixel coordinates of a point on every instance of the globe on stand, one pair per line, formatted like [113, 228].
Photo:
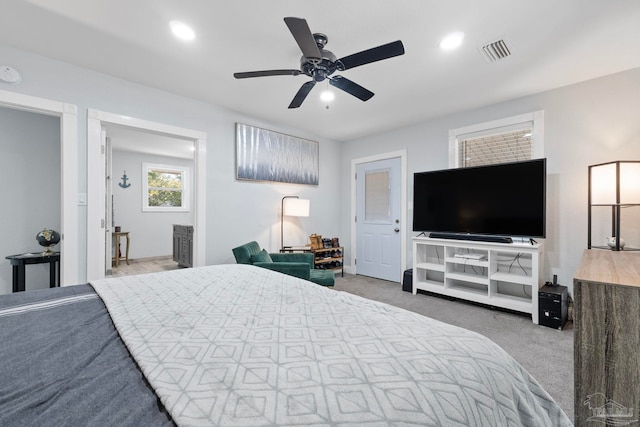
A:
[48, 239]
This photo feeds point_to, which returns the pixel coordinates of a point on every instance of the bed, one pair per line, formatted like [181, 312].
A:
[238, 345]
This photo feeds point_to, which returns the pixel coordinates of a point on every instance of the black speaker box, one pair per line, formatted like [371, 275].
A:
[552, 306]
[407, 280]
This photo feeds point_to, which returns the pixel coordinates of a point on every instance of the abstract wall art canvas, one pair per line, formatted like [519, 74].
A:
[264, 155]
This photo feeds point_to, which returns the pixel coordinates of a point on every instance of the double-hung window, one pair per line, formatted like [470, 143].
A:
[165, 188]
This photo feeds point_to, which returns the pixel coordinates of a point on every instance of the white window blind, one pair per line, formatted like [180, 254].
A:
[504, 147]
[506, 140]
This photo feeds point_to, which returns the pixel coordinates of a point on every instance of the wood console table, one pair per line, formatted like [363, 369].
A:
[607, 338]
[21, 260]
[118, 235]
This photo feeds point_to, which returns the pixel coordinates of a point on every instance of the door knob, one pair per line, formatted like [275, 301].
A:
[397, 230]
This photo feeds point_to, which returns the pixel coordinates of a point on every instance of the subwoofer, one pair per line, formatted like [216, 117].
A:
[552, 306]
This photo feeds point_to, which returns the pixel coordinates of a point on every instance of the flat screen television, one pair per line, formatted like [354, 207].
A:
[507, 199]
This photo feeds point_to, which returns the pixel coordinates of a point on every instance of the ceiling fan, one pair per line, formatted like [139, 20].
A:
[320, 64]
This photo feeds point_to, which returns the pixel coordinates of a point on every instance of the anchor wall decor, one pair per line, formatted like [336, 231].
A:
[124, 178]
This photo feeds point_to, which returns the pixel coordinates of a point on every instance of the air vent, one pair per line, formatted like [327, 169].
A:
[496, 50]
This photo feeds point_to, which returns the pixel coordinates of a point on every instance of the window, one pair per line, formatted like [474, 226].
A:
[165, 188]
[501, 141]
[377, 198]
[502, 147]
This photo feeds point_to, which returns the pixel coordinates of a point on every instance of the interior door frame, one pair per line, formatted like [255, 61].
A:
[96, 120]
[402, 154]
[108, 194]
[70, 199]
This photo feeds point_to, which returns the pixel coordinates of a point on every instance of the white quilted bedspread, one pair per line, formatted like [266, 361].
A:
[236, 345]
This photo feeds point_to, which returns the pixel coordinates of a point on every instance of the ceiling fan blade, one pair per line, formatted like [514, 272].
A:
[301, 32]
[351, 88]
[266, 73]
[379, 53]
[302, 94]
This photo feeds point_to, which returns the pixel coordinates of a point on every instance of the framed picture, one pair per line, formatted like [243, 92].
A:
[264, 155]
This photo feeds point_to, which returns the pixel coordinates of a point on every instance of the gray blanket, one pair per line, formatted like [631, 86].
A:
[62, 363]
[237, 345]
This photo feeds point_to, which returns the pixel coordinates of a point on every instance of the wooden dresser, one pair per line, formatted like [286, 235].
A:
[606, 288]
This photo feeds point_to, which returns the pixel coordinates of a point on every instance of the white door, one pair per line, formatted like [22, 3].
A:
[108, 203]
[378, 213]
[98, 252]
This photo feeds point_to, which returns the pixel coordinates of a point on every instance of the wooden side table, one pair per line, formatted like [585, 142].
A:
[19, 274]
[118, 235]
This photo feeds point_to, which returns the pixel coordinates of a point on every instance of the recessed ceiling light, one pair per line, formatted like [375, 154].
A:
[182, 30]
[452, 41]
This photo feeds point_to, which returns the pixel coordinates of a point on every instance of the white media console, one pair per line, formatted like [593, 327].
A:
[505, 275]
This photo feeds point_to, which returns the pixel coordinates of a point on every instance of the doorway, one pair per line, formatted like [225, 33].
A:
[69, 197]
[379, 229]
[143, 237]
[98, 221]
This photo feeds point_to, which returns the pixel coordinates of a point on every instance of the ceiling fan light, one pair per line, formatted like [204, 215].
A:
[327, 96]
[182, 30]
[452, 41]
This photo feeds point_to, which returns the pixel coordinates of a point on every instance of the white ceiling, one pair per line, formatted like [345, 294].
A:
[138, 141]
[554, 43]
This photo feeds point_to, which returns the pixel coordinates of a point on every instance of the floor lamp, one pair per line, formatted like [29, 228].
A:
[291, 206]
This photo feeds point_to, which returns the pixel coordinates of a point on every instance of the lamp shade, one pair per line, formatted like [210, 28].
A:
[614, 186]
[608, 179]
[630, 182]
[295, 207]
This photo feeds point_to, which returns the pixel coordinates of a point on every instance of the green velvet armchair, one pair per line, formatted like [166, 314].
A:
[297, 264]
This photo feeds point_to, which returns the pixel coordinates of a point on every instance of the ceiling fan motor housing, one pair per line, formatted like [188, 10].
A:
[319, 71]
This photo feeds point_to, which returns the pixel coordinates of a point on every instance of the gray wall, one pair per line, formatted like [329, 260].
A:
[30, 190]
[150, 232]
[587, 123]
[237, 211]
